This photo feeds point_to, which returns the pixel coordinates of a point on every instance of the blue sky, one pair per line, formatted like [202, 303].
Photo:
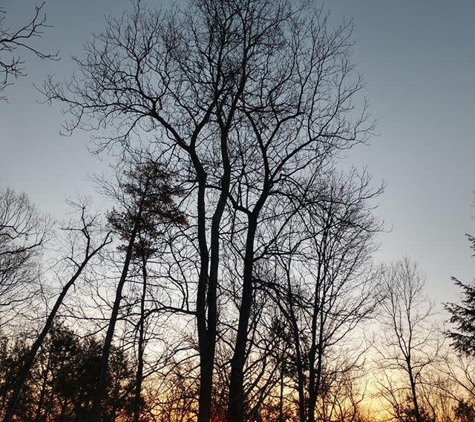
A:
[418, 60]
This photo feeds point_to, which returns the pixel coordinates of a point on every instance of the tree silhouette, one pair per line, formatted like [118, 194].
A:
[463, 316]
[19, 39]
[86, 246]
[243, 100]
[62, 383]
[409, 343]
[23, 234]
[146, 198]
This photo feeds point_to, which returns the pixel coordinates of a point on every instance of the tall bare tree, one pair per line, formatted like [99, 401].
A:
[411, 343]
[242, 99]
[325, 285]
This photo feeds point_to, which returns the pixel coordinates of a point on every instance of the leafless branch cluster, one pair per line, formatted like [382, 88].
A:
[14, 43]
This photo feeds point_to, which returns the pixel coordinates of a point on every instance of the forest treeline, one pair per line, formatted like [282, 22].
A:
[367, 349]
[233, 278]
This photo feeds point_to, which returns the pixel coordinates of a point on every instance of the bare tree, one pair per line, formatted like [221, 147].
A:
[23, 234]
[458, 385]
[84, 235]
[411, 343]
[17, 40]
[244, 97]
[325, 286]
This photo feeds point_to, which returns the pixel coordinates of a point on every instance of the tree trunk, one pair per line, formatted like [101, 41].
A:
[207, 289]
[205, 348]
[415, 401]
[96, 411]
[298, 350]
[41, 399]
[141, 345]
[236, 388]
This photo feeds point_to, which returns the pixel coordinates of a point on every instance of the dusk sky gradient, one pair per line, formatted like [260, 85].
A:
[417, 58]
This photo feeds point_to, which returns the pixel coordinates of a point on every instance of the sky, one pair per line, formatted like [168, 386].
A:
[418, 61]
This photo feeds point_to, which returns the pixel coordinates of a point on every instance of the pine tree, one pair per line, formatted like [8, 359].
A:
[463, 315]
[146, 197]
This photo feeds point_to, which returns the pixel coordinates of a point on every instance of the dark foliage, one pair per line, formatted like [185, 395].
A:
[62, 382]
[465, 412]
[147, 204]
[463, 316]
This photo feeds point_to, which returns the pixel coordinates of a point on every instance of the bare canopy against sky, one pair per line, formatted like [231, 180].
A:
[418, 61]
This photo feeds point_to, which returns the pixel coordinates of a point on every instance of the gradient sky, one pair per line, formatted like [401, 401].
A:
[418, 60]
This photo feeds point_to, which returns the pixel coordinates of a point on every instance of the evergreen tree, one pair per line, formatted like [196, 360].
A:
[146, 197]
[463, 316]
